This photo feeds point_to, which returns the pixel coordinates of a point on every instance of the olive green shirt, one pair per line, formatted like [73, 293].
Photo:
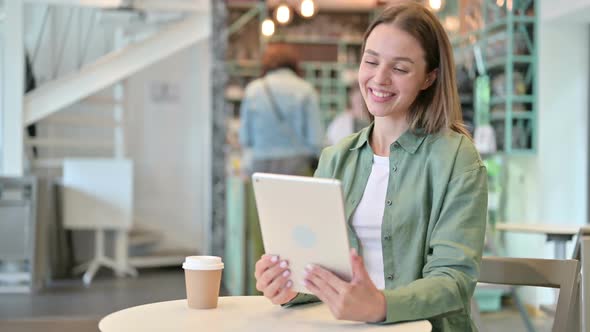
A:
[433, 223]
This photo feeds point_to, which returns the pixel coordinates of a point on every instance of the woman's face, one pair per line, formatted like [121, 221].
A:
[392, 72]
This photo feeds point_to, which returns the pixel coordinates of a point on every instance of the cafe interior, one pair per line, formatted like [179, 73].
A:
[120, 151]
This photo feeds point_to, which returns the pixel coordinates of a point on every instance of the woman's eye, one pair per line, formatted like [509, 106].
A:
[400, 70]
[372, 63]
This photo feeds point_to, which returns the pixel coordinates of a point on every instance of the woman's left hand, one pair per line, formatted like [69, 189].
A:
[357, 300]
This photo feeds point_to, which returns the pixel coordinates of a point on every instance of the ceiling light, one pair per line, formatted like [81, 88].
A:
[268, 27]
[436, 5]
[451, 23]
[283, 14]
[307, 8]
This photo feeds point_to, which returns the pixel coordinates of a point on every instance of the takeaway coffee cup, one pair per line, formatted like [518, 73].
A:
[202, 275]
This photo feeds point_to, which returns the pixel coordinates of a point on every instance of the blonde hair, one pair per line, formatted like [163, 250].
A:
[438, 107]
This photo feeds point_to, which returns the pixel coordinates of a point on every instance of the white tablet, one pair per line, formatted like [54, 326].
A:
[302, 220]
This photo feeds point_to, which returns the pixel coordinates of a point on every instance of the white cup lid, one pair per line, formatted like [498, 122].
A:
[202, 263]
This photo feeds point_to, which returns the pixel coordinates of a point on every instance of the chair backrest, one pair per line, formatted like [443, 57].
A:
[553, 273]
[583, 232]
[581, 253]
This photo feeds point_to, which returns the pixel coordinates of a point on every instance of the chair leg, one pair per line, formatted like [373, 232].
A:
[584, 294]
[476, 315]
[575, 321]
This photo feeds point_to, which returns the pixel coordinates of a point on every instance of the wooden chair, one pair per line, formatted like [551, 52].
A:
[582, 254]
[553, 273]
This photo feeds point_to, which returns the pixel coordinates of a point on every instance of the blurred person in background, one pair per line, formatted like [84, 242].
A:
[280, 130]
[351, 120]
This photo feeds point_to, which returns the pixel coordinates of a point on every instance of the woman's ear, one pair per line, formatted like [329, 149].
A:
[430, 78]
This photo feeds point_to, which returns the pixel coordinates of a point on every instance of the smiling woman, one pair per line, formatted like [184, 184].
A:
[392, 77]
[415, 188]
[422, 57]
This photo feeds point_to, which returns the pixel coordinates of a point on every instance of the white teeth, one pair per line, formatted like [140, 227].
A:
[381, 94]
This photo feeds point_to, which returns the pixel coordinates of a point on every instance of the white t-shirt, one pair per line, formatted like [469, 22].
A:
[368, 217]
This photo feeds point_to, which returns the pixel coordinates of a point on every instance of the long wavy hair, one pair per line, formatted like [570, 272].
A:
[438, 107]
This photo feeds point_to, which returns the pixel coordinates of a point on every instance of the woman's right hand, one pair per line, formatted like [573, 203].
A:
[272, 279]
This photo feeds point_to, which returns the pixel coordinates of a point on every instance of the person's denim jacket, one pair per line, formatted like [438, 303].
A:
[263, 134]
[433, 225]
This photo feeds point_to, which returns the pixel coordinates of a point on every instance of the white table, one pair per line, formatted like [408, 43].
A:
[560, 234]
[240, 313]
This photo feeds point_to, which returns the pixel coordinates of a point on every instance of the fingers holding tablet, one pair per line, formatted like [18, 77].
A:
[281, 288]
[264, 263]
[273, 279]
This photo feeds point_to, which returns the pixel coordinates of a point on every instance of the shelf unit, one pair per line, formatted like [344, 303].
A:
[507, 39]
[329, 61]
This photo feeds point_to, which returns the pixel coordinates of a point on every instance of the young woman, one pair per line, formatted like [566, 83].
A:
[415, 188]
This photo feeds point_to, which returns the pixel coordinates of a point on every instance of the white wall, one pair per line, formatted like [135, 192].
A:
[551, 187]
[1, 78]
[569, 10]
[168, 141]
[170, 145]
[563, 121]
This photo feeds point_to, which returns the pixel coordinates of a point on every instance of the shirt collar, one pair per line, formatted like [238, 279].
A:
[281, 71]
[363, 137]
[410, 140]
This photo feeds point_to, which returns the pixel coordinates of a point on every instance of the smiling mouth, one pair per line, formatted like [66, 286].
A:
[381, 94]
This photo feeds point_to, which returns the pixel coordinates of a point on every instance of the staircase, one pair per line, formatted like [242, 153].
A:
[79, 107]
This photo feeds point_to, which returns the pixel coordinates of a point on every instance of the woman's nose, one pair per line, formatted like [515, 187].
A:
[382, 75]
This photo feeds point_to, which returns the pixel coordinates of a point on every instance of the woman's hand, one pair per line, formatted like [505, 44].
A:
[272, 279]
[357, 300]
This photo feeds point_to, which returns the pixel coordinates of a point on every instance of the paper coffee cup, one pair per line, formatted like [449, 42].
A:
[202, 275]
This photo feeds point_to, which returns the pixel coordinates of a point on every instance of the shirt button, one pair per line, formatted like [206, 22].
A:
[387, 237]
[394, 168]
[390, 277]
[389, 202]
[396, 145]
